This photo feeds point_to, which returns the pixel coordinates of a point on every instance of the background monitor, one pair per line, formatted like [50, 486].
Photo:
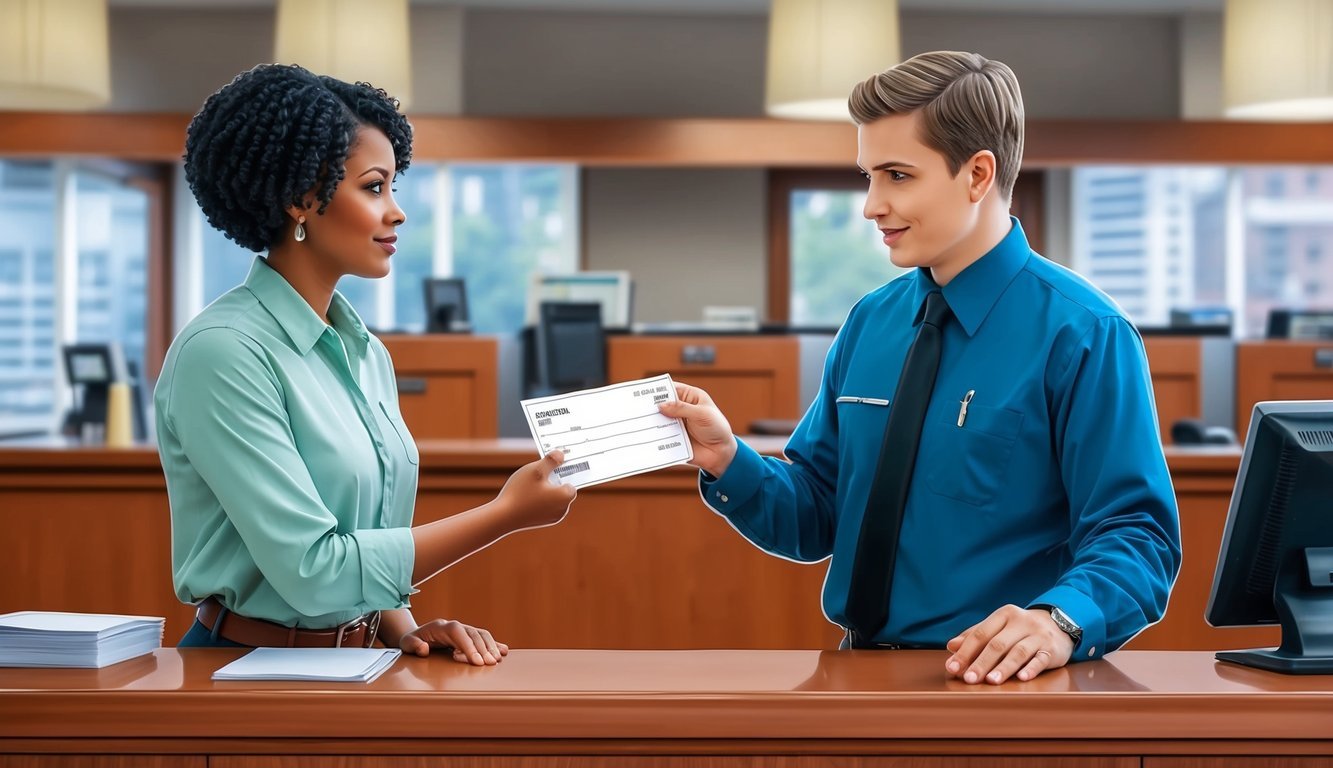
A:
[1300, 324]
[91, 364]
[446, 305]
[1201, 317]
[1276, 561]
[91, 368]
[613, 291]
[571, 346]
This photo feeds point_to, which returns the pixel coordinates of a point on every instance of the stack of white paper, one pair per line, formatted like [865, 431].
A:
[339, 665]
[50, 639]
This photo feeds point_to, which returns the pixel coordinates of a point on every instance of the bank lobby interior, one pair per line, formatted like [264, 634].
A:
[632, 138]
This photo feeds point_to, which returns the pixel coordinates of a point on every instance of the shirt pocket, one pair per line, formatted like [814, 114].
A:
[969, 463]
[399, 426]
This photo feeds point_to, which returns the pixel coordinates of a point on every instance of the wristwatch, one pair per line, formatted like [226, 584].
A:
[1062, 620]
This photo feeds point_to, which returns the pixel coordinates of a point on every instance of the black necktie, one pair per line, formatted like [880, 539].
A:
[877, 546]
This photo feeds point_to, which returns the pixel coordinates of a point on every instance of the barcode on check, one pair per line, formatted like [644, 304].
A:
[570, 469]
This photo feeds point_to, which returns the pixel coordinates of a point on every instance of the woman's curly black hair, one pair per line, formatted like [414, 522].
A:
[274, 134]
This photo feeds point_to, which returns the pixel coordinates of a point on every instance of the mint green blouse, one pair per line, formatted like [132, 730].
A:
[291, 475]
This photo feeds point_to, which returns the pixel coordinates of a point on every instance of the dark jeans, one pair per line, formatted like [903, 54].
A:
[200, 636]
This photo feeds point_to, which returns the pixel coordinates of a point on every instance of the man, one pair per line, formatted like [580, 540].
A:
[1008, 497]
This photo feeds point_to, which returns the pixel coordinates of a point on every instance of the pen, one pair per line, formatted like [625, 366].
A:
[962, 408]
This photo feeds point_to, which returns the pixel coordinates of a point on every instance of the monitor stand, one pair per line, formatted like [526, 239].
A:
[1303, 597]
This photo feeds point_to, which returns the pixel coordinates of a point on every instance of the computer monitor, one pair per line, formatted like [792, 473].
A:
[1300, 324]
[1201, 317]
[446, 305]
[613, 291]
[571, 347]
[91, 368]
[1276, 561]
[91, 364]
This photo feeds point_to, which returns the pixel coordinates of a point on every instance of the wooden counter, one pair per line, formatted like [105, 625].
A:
[671, 708]
[638, 564]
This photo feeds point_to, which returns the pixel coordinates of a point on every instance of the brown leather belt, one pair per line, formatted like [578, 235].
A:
[257, 633]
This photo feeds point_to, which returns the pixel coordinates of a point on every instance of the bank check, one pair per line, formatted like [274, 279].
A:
[609, 432]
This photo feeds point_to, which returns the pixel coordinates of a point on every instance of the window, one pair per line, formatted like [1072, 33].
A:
[1131, 226]
[1278, 227]
[112, 245]
[836, 255]
[99, 229]
[27, 251]
[1188, 229]
[490, 224]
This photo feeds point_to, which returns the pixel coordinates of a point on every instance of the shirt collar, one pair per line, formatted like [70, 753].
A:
[974, 291]
[293, 314]
[344, 318]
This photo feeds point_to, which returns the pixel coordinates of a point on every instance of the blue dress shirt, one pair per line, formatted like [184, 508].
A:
[1054, 490]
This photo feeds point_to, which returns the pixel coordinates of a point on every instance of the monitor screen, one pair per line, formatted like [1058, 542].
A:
[446, 305]
[1300, 324]
[611, 290]
[1276, 561]
[90, 364]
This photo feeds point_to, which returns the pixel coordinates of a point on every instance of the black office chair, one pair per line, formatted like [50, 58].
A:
[571, 348]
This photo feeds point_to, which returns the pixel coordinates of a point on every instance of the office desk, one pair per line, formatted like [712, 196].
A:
[447, 384]
[672, 708]
[1276, 369]
[639, 564]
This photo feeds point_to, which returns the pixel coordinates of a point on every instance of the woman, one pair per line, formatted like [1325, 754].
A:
[290, 472]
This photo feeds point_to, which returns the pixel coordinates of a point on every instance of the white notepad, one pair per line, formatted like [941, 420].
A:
[89, 640]
[338, 665]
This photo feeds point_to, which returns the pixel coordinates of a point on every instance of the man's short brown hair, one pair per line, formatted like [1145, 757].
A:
[967, 102]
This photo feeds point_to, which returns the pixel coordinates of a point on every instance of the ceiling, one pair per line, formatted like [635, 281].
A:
[730, 7]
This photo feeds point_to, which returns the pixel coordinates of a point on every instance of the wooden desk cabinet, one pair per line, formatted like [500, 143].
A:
[1280, 370]
[749, 377]
[447, 384]
[663, 709]
[1176, 366]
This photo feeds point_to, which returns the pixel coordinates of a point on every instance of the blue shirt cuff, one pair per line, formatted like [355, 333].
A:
[737, 485]
[1085, 613]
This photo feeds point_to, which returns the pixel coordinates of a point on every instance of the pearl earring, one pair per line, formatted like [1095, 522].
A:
[300, 229]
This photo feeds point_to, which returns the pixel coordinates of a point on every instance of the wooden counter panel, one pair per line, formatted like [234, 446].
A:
[90, 550]
[634, 571]
[1176, 365]
[638, 564]
[1238, 762]
[103, 761]
[692, 761]
[1202, 520]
